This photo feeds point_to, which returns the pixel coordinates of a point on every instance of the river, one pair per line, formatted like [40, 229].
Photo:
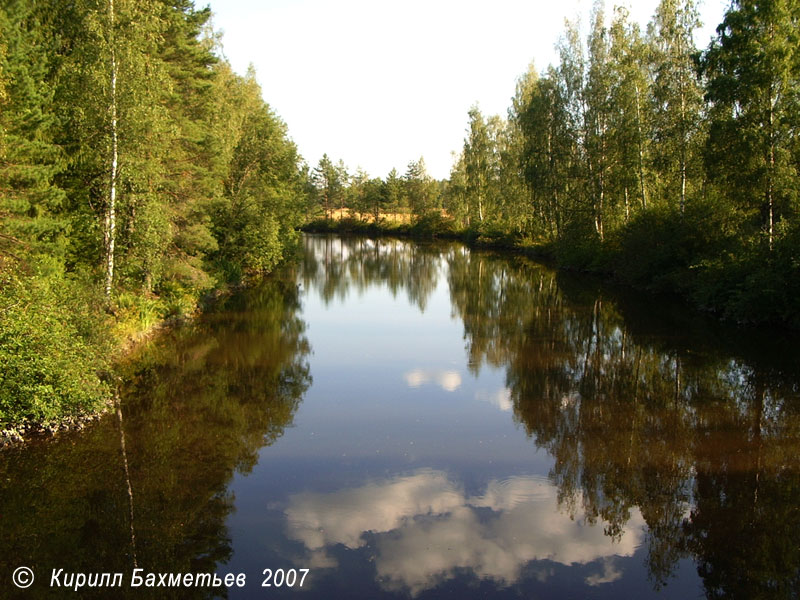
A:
[387, 419]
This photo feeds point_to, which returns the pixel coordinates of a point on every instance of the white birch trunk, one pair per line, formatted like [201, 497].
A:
[641, 154]
[111, 217]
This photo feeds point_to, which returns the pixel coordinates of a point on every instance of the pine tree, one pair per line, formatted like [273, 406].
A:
[168, 227]
[420, 190]
[329, 182]
[394, 190]
[456, 198]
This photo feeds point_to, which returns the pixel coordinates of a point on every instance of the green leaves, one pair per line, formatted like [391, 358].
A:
[126, 95]
[29, 160]
[52, 350]
[624, 159]
[253, 221]
[753, 77]
[420, 190]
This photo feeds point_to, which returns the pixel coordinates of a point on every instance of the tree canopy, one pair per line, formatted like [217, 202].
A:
[133, 162]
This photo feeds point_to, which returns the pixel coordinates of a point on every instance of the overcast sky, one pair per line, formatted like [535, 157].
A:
[378, 83]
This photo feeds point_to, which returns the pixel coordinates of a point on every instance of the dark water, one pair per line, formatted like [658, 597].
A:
[421, 421]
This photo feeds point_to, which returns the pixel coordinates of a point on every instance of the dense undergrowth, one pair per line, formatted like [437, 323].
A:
[56, 344]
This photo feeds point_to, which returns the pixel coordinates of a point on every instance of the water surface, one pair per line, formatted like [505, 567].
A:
[418, 420]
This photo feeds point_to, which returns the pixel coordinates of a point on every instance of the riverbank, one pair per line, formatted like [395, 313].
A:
[48, 402]
[68, 349]
[655, 253]
[431, 228]
[62, 341]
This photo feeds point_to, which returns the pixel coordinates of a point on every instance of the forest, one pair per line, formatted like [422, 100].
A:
[139, 174]
[669, 167]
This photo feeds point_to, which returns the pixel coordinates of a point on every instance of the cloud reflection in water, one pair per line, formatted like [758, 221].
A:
[500, 398]
[424, 527]
[448, 380]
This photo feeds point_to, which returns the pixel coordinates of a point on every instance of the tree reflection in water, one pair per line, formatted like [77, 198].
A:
[334, 265]
[651, 416]
[643, 411]
[199, 404]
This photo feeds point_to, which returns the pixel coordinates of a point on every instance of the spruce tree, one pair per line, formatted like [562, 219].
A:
[30, 201]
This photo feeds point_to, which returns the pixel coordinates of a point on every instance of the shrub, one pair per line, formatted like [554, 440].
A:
[53, 349]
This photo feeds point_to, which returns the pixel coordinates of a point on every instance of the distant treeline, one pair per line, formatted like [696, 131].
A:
[674, 168]
[137, 171]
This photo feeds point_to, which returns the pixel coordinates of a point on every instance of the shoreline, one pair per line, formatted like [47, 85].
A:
[544, 253]
[20, 434]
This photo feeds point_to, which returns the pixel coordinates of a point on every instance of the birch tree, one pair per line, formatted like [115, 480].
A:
[630, 115]
[677, 99]
[753, 74]
[599, 110]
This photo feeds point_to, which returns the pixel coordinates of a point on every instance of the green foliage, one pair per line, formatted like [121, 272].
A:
[255, 219]
[621, 159]
[676, 102]
[615, 161]
[420, 190]
[240, 377]
[394, 191]
[137, 312]
[753, 86]
[330, 181]
[207, 185]
[432, 224]
[29, 160]
[53, 349]
[666, 246]
[580, 247]
[753, 285]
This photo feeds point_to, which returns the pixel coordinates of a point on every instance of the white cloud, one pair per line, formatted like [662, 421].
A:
[500, 398]
[426, 528]
[610, 573]
[449, 381]
[342, 517]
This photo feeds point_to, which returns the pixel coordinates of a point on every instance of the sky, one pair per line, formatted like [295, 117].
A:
[379, 83]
